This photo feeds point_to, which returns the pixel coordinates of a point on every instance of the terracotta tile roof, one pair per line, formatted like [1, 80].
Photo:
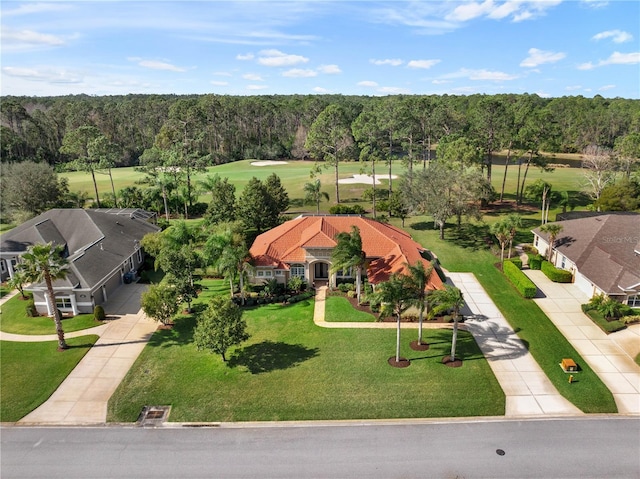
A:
[388, 248]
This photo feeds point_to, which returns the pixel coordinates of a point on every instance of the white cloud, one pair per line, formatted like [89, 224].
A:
[616, 58]
[219, 83]
[394, 62]
[367, 83]
[31, 8]
[300, 73]
[470, 10]
[256, 87]
[46, 74]
[573, 87]
[320, 90]
[606, 87]
[156, 65]
[392, 90]
[479, 75]
[23, 40]
[329, 69]
[618, 36]
[504, 10]
[595, 3]
[247, 56]
[422, 63]
[538, 57]
[276, 58]
[222, 74]
[252, 77]
[440, 82]
[518, 10]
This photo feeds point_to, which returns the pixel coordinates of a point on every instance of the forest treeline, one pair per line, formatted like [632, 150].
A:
[218, 129]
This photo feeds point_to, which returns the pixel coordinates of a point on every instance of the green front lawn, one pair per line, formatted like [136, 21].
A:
[466, 250]
[339, 309]
[31, 372]
[291, 369]
[13, 319]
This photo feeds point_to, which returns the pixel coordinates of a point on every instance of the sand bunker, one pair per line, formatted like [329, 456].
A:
[268, 163]
[366, 179]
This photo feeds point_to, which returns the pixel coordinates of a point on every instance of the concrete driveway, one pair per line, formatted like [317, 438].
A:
[611, 356]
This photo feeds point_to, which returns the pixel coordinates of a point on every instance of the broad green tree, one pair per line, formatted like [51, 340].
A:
[330, 139]
[160, 302]
[219, 327]
[371, 141]
[552, 230]
[260, 206]
[314, 194]
[77, 143]
[348, 254]
[449, 299]
[396, 295]
[624, 195]
[627, 149]
[46, 262]
[223, 204]
[227, 252]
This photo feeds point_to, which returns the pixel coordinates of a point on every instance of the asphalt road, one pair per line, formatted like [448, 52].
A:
[559, 448]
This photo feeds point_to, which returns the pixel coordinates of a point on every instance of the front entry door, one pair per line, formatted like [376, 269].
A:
[321, 271]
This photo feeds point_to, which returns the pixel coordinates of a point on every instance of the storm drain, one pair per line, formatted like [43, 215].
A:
[152, 416]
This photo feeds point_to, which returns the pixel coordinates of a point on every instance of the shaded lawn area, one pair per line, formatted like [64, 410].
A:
[466, 250]
[31, 372]
[291, 369]
[13, 319]
[339, 309]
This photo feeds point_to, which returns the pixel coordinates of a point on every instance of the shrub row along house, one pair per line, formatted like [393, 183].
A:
[602, 251]
[303, 246]
[101, 246]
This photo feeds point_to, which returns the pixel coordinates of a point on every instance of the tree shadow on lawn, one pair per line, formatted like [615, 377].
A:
[474, 236]
[269, 356]
[466, 347]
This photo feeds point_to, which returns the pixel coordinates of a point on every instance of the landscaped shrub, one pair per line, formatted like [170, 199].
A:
[516, 261]
[352, 294]
[31, 310]
[347, 210]
[98, 313]
[630, 319]
[344, 287]
[556, 275]
[535, 261]
[607, 326]
[521, 282]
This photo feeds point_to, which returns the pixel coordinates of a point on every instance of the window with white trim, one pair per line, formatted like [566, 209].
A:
[63, 303]
[279, 272]
[130, 263]
[297, 270]
[268, 274]
[3, 267]
[535, 242]
[139, 256]
[563, 262]
[260, 274]
[634, 301]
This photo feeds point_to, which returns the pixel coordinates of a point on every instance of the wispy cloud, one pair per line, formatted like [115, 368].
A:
[538, 57]
[25, 40]
[516, 10]
[320, 90]
[219, 83]
[422, 63]
[156, 65]
[252, 77]
[481, 74]
[31, 8]
[606, 87]
[367, 83]
[329, 69]
[618, 36]
[276, 58]
[299, 73]
[394, 62]
[245, 57]
[616, 58]
[45, 74]
[257, 87]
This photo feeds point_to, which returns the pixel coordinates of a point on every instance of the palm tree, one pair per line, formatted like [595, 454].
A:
[501, 231]
[313, 194]
[552, 230]
[514, 221]
[45, 262]
[348, 254]
[395, 296]
[229, 254]
[420, 278]
[18, 280]
[450, 298]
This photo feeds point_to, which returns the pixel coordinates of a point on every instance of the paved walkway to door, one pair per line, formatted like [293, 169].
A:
[611, 356]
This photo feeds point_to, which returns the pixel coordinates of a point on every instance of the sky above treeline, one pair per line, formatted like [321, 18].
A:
[548, 47]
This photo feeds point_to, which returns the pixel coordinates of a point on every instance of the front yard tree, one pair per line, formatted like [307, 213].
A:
[419, 276]
[17, 281]
[46, 262]
[449, 299]
[160, 302]
[552, 230]
[396, 296]
[348, 254]
[514, 221]
[330, 139]
[314, 194]
[501, 230]
[227, 252]
[219, 327]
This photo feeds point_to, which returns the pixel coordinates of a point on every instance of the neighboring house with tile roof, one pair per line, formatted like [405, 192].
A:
[102, 247]
[303, 246]
[603, 253]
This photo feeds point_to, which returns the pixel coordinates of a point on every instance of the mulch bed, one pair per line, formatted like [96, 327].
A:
[418, 346]
[452, 363]
[403, 363]
[390, 319]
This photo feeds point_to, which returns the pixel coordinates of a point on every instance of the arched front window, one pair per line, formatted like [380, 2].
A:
[297, 270]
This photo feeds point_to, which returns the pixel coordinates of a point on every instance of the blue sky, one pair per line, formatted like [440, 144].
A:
[548, 47]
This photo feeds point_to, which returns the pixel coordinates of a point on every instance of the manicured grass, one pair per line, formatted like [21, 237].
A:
[291, 369]
[13, 319]
[607, 326]
[466, 250]
[339, 309]
[4, 290]
[31, 372]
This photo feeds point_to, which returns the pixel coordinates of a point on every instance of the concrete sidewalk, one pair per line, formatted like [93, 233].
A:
[528, 390]
[611, 356]
[82, 397]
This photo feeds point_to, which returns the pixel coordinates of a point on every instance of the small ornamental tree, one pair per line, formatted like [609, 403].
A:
[160, 302]
[219, 327]
[17, 281]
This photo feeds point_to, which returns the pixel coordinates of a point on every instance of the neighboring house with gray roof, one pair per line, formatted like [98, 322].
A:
[101, 247]
[603, 253]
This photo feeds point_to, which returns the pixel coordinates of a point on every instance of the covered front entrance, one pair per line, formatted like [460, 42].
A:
[320, 272]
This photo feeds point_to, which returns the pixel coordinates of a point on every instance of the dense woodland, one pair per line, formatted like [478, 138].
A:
[218, 129]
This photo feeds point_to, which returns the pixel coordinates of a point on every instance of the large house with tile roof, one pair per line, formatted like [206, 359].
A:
[603, 253]
[302, 247]
[101, 246]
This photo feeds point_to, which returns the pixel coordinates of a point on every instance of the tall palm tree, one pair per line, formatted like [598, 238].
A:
[552, 230]
[348, 254]
[45, 262]
[229, 254]
[314, 194]
[514, 221]
[395, 296]
[420, 278]
[501, 230]
[450, 298]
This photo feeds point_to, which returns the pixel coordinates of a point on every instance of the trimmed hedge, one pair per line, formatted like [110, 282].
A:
[515, 260]
[535, 261]
[520, 281]
[556, 275]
